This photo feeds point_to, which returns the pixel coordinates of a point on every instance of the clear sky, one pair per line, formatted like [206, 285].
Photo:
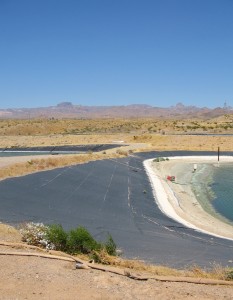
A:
[116, 52]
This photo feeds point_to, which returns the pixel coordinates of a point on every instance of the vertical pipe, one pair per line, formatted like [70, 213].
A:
[218, 153]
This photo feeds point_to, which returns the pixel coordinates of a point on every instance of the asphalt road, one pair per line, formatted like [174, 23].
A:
[112, 196]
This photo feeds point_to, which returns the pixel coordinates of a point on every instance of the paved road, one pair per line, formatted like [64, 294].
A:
[111, 196]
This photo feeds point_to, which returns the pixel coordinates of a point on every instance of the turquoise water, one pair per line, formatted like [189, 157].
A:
[213, 187]
[222, 187]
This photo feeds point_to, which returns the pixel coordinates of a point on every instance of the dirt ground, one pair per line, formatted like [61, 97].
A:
[38, 278]
[25, 277]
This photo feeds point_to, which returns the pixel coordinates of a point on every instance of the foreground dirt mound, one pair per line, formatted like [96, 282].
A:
[30, 277]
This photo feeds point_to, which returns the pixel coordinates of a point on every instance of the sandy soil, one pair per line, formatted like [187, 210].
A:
[11, 160]
[186, 208]
[41, 278]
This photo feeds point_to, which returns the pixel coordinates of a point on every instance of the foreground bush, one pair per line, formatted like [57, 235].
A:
[75, 241]
[110, 246]
[34, 234]
[81, 241]
[57, 236]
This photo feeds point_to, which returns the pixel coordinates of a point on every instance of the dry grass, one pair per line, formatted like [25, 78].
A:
[183, 142]
[150, 141]
[47, 127]
[122, 152]
[155, 134]
[9, 233]
[35, 165]
[215, 271]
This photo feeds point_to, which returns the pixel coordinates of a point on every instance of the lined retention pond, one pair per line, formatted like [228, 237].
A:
[213, 187]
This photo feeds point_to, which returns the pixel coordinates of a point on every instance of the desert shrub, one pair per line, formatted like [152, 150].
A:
[81, 241]
[35, 234]
[229, 275]
[159, 159]
[101, 257]
[75, 241]
[122, 152]
[110, 246]
[57, 236]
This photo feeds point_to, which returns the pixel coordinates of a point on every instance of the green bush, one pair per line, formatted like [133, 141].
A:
[229, 275]
[75, 241]
[81, 241]
[57, 236]
[110, 246]
[159, 159]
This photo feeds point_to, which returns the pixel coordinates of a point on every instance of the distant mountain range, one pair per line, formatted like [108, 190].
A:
[68, 110]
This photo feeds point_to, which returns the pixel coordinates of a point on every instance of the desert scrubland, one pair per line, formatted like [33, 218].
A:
[156, 134]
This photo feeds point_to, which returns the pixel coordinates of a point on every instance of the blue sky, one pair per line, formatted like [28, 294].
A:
[116, 52]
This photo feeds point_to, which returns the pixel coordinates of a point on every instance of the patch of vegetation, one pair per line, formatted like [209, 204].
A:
[35, 234]
[75, 241]
[111, 246]
[229, 275]
[122, 152]
[57, 237]
[159, 159]
[80, 241]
